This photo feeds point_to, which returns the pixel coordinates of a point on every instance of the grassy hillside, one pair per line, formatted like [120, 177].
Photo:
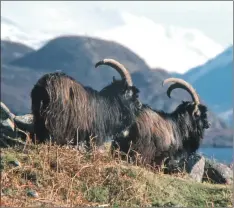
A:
[62, 176]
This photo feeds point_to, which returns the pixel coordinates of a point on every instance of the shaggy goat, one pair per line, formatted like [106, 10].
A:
[62, 107]
[157, 135]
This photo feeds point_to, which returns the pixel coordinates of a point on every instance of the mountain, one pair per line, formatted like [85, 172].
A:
[16, 84]
[13, 50]
[213, 81]
[76, 55]
[10, 31]
[173, 48]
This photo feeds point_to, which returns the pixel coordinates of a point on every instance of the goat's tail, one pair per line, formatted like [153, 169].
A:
[39, 102]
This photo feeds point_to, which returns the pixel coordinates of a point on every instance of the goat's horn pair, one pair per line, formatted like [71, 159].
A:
[180, 83]
[118, 67]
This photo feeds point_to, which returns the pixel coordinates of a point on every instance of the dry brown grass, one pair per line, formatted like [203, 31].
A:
[65, 177]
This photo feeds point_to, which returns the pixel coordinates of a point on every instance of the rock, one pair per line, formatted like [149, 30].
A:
[202, 169]
[195, 167]
[217, 172]
[14, 127]
[5, 112]
[32, 193]
[24, 122]
[8, 135]
[7, 125]
[15, 163]
[7, 130]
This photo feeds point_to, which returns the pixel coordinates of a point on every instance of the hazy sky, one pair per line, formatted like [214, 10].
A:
[214, 19]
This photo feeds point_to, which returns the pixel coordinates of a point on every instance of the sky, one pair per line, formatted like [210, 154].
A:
[205, 27]
[215, 19]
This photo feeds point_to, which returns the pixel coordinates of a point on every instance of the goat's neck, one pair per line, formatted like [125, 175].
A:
[187, 130]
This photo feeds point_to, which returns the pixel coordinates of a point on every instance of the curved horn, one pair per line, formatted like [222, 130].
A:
[180, 83]
[118, 67]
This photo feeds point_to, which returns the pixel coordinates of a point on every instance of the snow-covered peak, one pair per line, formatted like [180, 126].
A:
[174, 48]
[219, 61]
[13, 32]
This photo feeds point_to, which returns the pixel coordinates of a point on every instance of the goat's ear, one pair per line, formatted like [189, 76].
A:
[135, 90]
[203, 109]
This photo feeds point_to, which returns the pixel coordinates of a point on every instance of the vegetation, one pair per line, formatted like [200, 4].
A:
[49, 175]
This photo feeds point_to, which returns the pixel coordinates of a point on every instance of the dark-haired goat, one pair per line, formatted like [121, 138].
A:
[62, 107]
[157, 135]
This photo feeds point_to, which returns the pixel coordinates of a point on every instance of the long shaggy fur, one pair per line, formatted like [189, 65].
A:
[157, 135]
[62, 107]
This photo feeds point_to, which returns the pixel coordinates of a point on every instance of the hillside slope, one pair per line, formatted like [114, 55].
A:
[77, 55]
[213, 82]
[13, 50]
[54, 176]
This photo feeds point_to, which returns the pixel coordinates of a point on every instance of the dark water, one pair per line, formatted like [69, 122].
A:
[224, 155]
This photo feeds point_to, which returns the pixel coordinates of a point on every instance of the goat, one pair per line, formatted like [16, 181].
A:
[159, 136]
[61, 107]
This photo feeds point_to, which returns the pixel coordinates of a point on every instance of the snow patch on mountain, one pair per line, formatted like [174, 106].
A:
[219, 61]
[227, 116]
[213, 82]
[172, 48]
[13, 32]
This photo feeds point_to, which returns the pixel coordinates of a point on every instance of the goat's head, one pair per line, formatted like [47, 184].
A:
[124, 87]
[196, 110]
